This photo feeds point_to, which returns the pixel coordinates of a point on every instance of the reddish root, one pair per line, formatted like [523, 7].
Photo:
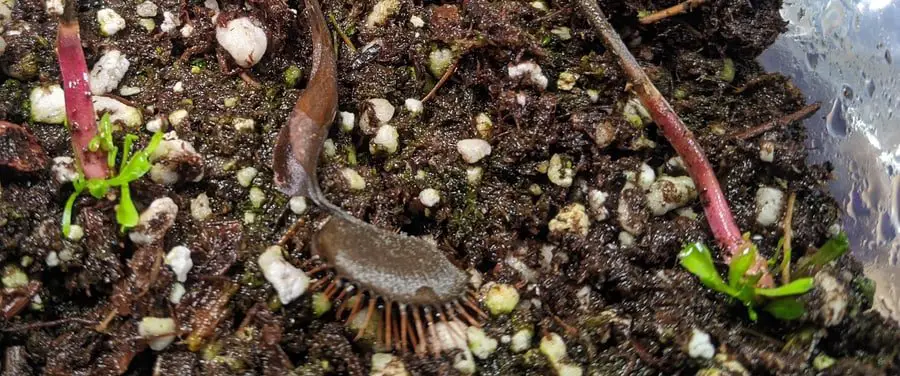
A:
[77, 91]
[718, 213]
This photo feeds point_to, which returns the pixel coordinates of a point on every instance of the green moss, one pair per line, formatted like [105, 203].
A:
[727, 72]
[292, 75]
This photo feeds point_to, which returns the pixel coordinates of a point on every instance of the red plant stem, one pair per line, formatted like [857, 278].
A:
[77, 90]
[718, 214]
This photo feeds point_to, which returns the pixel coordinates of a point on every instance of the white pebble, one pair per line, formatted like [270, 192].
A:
[156, 124]
[179, 260]
[473, 149]
[288, 281]
[596, 201]
[249, 217]
[147, 23]
[243, 125]
[529, 70]
[414, 106]
[110, 21]
[387, 365]
[257, 197]
[157, 328]
[521, 341]
[439, 60]
[646, 176]
[380, 109]
[76, 232]
[382, 10]
[246, 175]
[767, 151]
[416, 21]
[700, 345]
[572, 219]
[170, 22]
[154, 221]
[553, 347]
[566, 81]
[386, 140]
[244, 40]
[146, 9]
[769, 202]
[834, 297]
[449, 339]
[48, 104]
[500, 298]
[200, 207]
[480, 344]
[328, 148]
[429, 197]
[187, 30]
[560, 171]
[473, 175]
[626, 239]
[346, 120]
[562, 32]
[119, 113]
[178, 87]
[354, 180]
[668, 193]
[63, 169]
[52, 259]
[176, 293]
[298, 204]
[108, 72]
[54, 7]
[170, 156]
[127, 91]
[676, 164]
[177, 116]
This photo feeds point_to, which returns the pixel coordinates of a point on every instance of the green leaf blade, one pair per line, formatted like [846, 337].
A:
[696, 258]
[797, 287]
[785, 309]
[739, 267]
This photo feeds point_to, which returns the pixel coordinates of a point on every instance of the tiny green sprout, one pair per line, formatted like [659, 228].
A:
[132, 168]
[292, 75]
[830, 251]
[778, 301]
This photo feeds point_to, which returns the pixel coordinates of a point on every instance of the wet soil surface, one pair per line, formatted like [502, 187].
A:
[607, 282]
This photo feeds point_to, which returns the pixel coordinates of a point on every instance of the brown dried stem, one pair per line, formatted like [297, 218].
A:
[674, 10]
[783, 121]
[718, 213]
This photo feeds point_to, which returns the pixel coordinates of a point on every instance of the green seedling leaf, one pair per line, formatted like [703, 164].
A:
[67, 212]
[739, 267]
[797, 287]
[126, 214]
[830, 251]
[785, 308]
[696, 258]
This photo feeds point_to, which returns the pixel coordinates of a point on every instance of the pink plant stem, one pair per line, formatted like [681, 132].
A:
[718, 214]
[77, 90]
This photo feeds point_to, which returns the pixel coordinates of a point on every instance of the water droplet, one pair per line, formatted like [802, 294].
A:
[870, 87]
[835, 122]
[887, 57]
[812, 59]
[847, 91]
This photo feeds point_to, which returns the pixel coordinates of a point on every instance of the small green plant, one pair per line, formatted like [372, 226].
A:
[778, 301]
[828, 252]
[132, 168]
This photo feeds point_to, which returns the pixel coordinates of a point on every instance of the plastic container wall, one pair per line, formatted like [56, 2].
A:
[841, 54]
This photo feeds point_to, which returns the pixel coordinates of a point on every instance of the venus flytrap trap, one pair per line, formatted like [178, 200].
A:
[778, 301]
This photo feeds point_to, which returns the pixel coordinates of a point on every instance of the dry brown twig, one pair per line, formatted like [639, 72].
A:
[442, 81]
[783, 121]
[718, 213]
[788, 234]
[674, 10]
